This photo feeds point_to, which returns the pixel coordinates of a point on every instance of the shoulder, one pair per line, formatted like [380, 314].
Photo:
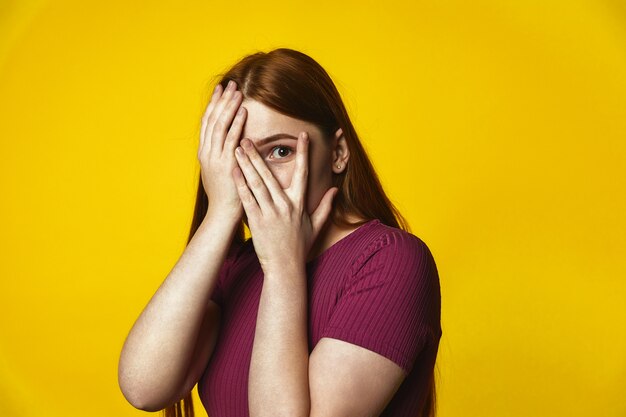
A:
[392, 246]
[390, 301]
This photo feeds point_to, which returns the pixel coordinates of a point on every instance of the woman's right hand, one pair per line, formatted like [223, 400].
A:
[216, 153]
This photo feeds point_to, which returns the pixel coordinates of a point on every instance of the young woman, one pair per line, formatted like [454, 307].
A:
[332, 308]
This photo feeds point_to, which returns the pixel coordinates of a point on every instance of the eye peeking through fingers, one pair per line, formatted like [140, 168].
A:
[280, 152]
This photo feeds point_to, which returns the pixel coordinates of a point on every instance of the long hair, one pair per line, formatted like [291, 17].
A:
[294, 84]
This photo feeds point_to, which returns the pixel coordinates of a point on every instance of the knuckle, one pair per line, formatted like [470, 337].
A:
[284, 205]
[220, 124]
[233, 104]
[234, 130]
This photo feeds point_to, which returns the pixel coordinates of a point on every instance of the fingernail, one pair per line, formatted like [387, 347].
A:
[230, 85]
[239, 151]
[246, 143]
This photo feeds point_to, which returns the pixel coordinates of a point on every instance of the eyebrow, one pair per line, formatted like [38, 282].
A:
[264, 141]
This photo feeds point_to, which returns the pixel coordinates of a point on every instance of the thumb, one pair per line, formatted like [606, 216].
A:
[319, 216]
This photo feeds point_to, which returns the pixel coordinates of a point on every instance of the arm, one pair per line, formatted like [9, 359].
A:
[163, 344]
[338, 379]
[163, 355]
[347, 380]
[278, 381]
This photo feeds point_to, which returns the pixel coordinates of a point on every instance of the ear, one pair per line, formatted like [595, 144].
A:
[341, 153]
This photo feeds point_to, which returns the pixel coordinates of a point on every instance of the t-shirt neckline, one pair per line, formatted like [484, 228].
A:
[343, 240]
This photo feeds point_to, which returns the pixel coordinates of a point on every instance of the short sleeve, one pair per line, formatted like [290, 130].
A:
[391, 302]
[231, 256]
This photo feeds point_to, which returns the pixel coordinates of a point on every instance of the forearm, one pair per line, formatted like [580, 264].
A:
[158, 349]
[278, 381]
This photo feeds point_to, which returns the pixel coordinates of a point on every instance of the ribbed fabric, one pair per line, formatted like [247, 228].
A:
[377, 288]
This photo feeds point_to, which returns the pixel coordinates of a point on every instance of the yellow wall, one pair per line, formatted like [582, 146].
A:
[498, 128]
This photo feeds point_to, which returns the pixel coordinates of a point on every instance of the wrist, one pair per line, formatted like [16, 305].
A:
[284, 270]
[219, 224]
[288, 260]
[227, 216]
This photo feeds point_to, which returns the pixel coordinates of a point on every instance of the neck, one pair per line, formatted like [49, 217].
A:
[329, 235]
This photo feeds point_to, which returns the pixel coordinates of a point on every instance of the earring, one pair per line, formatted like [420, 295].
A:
[338, 166]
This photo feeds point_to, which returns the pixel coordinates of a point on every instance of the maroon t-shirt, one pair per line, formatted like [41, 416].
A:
[377, 288]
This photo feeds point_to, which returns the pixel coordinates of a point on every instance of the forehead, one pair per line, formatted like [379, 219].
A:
[262, 121]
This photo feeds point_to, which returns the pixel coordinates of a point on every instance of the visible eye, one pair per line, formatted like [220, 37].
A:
[283, 152]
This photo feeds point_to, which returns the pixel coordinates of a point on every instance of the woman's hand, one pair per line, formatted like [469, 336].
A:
[216, 152]
[282, 231]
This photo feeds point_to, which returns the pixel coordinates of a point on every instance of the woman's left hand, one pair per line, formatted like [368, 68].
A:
[282, 230]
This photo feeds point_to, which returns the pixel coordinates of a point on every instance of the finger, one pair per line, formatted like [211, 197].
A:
[216, 112]
[248, 201]
[301, 171]
[254, 180]
[223, 123]
[321, 213]
[272, 184]
[234, 134]
[217, 92]
[216, 105]
[227, 93]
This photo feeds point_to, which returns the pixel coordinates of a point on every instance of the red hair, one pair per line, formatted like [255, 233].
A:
[294, 84]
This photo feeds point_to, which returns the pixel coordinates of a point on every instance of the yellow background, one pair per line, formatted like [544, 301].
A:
[497, 127]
